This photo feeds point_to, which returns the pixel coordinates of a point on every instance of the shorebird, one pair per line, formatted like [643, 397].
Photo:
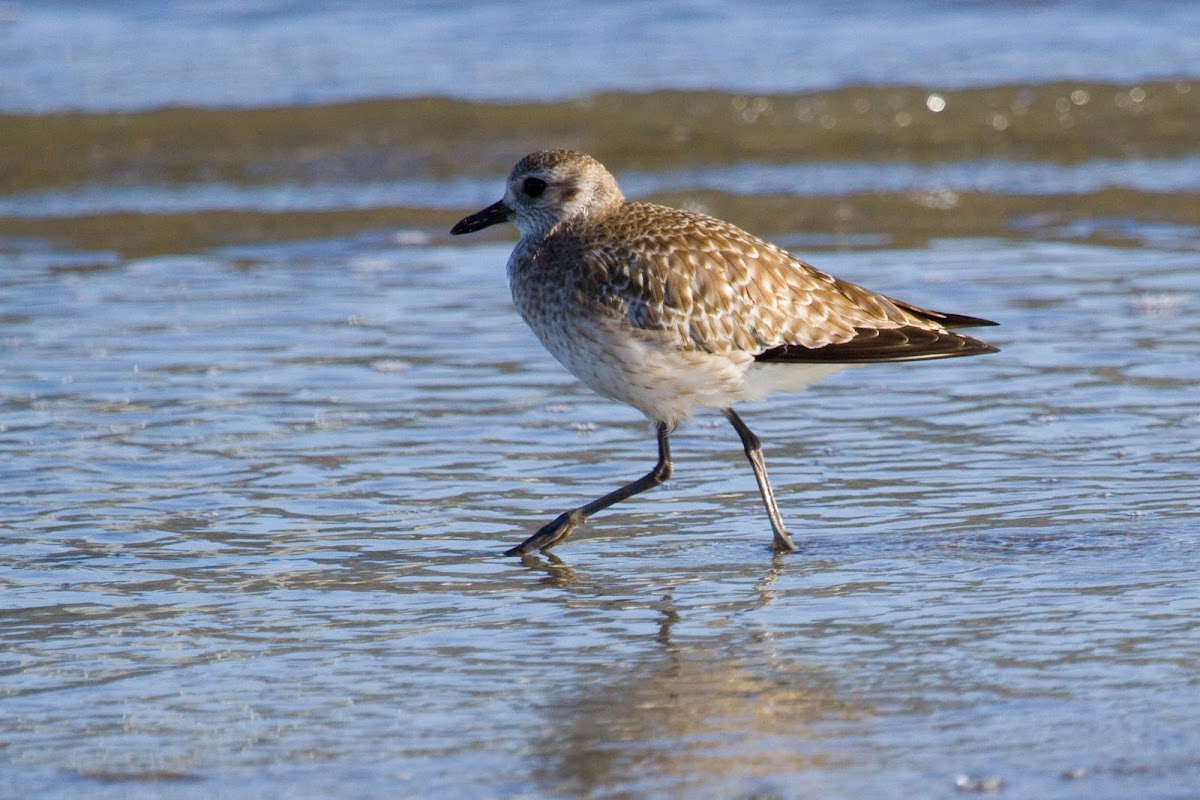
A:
[670, 310]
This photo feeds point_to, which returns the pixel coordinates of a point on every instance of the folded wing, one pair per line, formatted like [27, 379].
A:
[711, 286]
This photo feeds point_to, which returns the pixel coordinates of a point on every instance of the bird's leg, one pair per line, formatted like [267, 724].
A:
[782, 540]
[565, 524]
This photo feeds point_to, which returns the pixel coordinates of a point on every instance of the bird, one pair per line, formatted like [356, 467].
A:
[669, 310]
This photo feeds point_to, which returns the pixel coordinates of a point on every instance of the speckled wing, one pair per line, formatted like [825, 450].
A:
[708, 285]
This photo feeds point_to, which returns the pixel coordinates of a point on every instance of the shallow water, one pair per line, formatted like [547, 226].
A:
[256, 501]
[266, 429]
[140, 53]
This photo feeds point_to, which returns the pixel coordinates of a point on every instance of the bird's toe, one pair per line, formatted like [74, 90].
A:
[783, 542]
[550, 534]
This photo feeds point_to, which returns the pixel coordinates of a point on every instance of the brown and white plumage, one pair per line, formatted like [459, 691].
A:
[670, 310]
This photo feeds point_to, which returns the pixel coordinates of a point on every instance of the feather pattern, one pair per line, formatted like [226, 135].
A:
[710, 286]
[669, 310]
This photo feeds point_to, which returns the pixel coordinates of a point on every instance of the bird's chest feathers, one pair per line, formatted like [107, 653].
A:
[551, 282]
[554, 289]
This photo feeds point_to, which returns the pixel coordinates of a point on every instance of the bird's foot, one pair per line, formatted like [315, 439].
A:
[783, 542]
[550, 534]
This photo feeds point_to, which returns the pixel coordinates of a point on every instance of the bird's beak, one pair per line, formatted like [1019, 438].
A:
[496, 212]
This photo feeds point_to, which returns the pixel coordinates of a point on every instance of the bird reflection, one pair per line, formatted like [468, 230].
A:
[559, 574]
[695, 721]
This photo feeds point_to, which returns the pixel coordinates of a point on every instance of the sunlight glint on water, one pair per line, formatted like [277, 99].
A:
[265, 428]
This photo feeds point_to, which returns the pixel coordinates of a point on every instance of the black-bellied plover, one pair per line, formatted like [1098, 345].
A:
[670, 310]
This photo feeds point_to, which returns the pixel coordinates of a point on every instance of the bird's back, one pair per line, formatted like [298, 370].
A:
[708, 285]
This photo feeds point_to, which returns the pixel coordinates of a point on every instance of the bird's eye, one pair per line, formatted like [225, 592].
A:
[533, 186]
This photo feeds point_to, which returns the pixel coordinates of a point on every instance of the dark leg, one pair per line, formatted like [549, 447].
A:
[565, 524]
[782, 540]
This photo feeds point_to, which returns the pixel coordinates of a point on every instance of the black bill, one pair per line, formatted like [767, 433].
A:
[496, 212]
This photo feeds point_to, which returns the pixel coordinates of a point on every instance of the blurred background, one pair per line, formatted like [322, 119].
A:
[141, 121]
[265, 427]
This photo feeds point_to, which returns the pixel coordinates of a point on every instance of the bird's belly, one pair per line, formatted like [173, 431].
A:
[648, 369]
[639, 368]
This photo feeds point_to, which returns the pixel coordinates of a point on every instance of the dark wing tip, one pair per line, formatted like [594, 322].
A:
[963, 321]
[869, 345]
[944, 319]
